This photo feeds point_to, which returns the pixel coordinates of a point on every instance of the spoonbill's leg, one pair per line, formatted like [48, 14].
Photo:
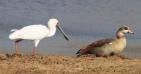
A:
[17, 46]
[36, 42]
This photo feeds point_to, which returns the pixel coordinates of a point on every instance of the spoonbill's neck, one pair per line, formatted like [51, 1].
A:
[52, 30]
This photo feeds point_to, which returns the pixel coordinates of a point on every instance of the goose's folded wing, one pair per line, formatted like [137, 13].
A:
[93, 45]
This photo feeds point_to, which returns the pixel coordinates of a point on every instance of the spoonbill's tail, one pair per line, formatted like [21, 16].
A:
[13, 30]
[14, 35]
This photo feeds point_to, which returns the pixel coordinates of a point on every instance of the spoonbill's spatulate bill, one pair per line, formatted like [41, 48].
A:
[36, 33]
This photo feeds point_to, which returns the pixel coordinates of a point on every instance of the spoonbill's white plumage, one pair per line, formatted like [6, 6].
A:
[35, 33]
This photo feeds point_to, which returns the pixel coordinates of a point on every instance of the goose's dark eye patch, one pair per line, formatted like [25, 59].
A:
[125, 28]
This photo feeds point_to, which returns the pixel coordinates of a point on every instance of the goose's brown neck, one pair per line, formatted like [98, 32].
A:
[120, 35]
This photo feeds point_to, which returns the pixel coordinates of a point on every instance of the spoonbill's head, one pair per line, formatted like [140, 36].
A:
[55, 23]
[125, 29]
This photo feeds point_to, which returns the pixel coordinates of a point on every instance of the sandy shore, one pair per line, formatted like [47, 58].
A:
[53, 64]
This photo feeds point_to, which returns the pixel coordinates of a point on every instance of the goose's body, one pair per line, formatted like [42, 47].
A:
[35, 33]
[107, 47]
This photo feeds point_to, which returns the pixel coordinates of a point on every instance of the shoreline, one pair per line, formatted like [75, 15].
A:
[55, 64]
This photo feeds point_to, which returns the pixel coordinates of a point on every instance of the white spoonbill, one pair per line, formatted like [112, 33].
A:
[35, 33]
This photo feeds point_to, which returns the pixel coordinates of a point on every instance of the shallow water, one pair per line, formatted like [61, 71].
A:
[84, 21]
[58, 46]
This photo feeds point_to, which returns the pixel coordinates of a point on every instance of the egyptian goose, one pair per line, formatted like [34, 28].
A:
[107, 47]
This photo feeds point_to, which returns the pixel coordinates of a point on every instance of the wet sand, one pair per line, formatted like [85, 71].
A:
[53, 64]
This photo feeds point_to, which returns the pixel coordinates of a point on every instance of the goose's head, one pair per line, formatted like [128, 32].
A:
[123, 30]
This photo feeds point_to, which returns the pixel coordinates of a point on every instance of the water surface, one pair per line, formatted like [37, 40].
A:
[84, 21]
